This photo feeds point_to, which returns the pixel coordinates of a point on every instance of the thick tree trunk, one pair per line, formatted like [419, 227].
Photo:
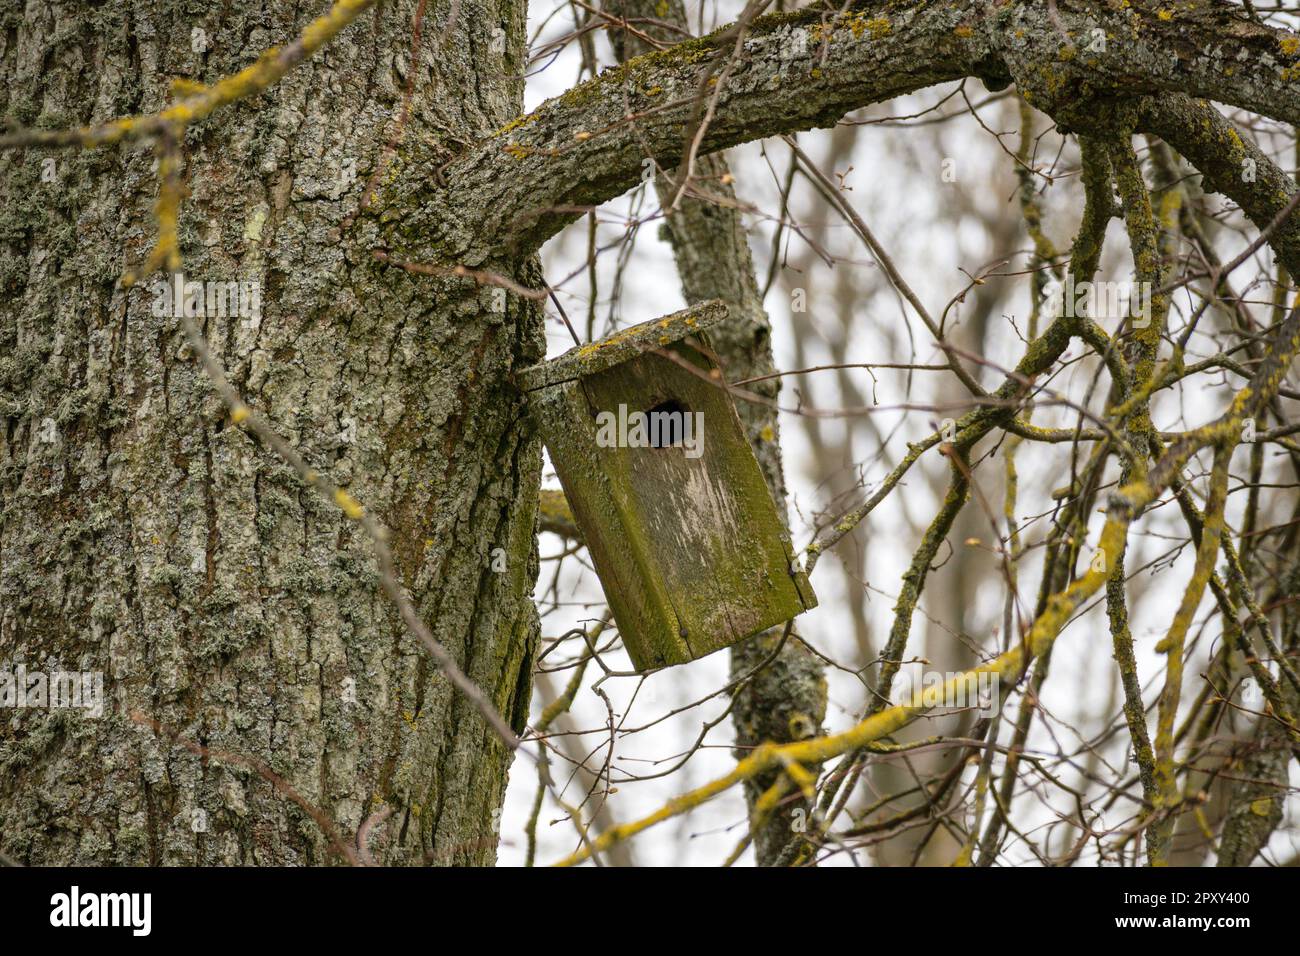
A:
[144, 536]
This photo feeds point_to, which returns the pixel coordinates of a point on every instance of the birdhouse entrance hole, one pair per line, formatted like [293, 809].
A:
[667, 423]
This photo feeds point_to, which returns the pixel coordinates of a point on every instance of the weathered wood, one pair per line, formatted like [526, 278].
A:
[691, 551]
[584, 360]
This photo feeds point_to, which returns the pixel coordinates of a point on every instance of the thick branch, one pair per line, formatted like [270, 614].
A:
[1223, 156]
[807, 69]
[541, 171]
[1063, 61]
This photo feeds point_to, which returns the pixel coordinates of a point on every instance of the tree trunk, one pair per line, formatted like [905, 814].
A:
[143, 536]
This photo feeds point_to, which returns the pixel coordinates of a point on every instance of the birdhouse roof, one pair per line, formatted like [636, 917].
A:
[619, 347]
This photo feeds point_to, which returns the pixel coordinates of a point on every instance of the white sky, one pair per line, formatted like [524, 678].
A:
[895, 183]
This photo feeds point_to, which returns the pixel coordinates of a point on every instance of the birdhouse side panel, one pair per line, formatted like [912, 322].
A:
[646, 618]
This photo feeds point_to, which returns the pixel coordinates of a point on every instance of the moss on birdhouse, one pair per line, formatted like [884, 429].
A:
[670, 500]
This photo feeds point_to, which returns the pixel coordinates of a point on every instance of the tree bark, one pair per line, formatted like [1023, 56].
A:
[146, 537]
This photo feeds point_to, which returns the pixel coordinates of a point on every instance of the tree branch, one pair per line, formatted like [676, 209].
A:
[807, 69]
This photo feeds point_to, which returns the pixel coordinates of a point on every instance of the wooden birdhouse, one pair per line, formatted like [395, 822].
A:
[666, 491]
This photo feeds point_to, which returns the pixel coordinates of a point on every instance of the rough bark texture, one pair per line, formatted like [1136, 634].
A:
[538, 172]
[1257, 798]
[152, 540]
[1261, 786]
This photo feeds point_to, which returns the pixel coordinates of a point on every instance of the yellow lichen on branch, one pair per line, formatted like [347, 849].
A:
[166, 252]
[1124, 506]
[266, 71]
[1172, 647]
[168, 126]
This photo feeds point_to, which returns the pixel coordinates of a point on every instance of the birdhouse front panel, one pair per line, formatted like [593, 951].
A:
[680, 525]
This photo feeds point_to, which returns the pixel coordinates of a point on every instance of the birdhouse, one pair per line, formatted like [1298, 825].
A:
[664, 487]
